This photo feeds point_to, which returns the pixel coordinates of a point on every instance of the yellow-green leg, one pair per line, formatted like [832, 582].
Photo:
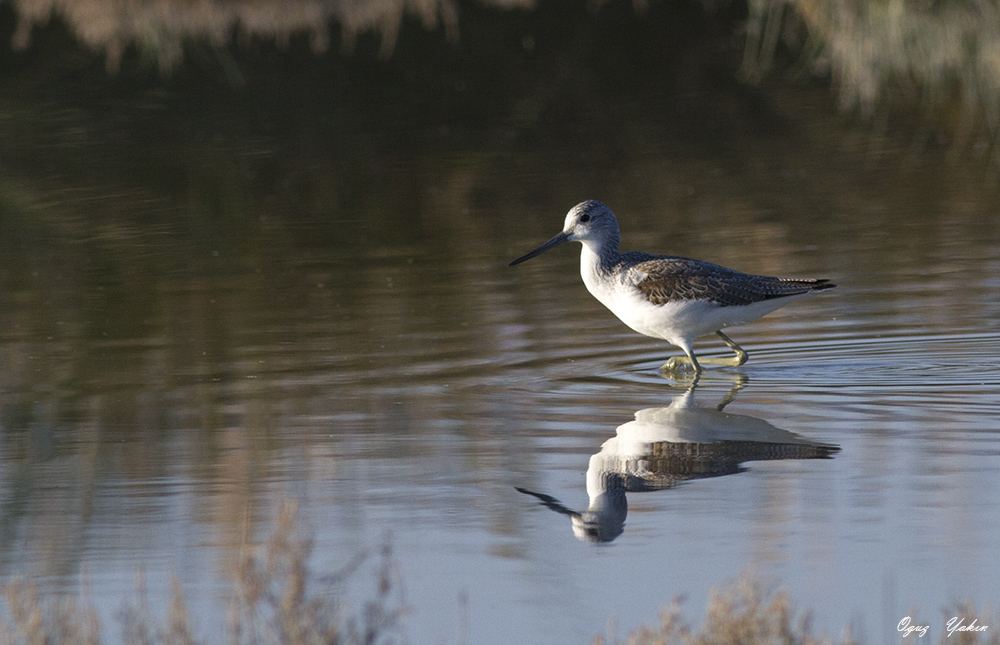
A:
[740, 358]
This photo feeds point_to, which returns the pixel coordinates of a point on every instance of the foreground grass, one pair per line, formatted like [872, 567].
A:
[743, 613]
[275, 598]
[747, 612]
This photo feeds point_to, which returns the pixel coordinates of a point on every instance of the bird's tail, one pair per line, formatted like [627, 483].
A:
[811, 284]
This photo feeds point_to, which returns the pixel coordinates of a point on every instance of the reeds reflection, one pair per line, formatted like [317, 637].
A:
[665, 446]
[936, 59]
[161, 28]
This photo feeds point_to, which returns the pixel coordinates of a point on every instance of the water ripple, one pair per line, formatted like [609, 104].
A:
[917, 362]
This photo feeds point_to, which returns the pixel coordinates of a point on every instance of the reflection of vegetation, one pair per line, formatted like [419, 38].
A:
[160, 28]
[941, 57]
[275, 599]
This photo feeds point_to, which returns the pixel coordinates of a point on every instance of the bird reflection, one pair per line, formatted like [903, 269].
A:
[665, 446]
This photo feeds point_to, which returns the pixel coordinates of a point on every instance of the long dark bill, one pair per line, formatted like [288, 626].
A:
[555, 241]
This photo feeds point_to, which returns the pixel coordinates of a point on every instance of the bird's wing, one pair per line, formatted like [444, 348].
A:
[666, 279]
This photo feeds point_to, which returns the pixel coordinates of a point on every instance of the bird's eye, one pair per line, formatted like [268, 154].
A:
[585, 218]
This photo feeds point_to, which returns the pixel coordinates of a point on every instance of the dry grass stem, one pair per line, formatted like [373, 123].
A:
[275, 599]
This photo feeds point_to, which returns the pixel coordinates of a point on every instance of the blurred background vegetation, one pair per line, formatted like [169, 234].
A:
[938, 61]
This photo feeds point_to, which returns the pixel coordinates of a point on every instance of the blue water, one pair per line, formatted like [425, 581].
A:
[162, 396]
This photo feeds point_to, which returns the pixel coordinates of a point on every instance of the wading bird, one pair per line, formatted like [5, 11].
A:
[676, 299]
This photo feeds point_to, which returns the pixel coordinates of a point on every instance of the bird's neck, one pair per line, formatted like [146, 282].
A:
[599, 256]
[596, 269]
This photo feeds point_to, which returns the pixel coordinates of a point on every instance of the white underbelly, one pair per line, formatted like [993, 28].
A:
[685, 319]
[682, 321]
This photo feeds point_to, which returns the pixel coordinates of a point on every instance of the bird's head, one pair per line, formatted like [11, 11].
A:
[590, 222]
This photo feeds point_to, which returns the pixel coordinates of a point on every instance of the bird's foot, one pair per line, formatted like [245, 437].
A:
[679, 364]
[732, 361]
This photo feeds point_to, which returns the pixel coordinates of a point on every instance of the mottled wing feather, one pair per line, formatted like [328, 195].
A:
[667, 279]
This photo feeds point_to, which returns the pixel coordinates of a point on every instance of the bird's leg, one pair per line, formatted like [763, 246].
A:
[741, 356]
[735, 361]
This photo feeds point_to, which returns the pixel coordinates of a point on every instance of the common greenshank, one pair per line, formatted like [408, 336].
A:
[676, 299]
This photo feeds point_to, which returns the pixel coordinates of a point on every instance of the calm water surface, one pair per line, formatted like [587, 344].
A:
[166, 384]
